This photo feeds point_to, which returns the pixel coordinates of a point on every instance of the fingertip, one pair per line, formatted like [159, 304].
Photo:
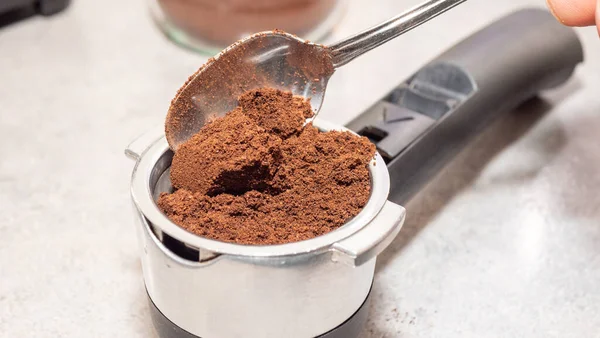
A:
[574, 13]
[598, 16]
[553, 11]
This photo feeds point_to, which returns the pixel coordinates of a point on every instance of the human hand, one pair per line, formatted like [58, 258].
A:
[576, 12]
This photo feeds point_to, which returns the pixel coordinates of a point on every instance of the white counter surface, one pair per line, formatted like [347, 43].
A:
[505, 242]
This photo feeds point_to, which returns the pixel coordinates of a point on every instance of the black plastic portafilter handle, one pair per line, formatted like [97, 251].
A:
[504, 64]
[516, 57]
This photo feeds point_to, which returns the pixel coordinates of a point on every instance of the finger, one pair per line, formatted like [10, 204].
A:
[598, 16]
[574, 12]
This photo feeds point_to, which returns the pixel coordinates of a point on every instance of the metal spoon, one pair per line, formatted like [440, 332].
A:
[278, 60]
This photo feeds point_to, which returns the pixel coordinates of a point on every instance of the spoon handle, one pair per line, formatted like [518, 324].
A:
[347, 50]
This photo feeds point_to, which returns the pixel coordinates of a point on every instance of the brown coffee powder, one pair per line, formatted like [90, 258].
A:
[256, 176]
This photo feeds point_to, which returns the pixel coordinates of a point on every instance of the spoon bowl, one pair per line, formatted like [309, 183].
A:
[278, 60]
[272, 59]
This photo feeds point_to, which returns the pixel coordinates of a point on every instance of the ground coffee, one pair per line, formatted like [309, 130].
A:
[257, 176]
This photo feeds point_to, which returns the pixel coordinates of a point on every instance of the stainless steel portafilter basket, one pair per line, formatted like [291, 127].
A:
[209, 288]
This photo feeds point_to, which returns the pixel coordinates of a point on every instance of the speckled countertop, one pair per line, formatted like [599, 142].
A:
[505, 242]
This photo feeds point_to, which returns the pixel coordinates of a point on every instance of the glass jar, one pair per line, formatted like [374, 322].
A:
[211, 25]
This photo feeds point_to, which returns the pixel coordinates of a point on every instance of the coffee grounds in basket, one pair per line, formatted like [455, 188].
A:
[257, 176]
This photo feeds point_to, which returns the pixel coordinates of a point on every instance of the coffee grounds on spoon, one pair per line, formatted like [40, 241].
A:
[257, 176]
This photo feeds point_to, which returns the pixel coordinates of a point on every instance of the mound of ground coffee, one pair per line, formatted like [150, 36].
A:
[257, 176]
